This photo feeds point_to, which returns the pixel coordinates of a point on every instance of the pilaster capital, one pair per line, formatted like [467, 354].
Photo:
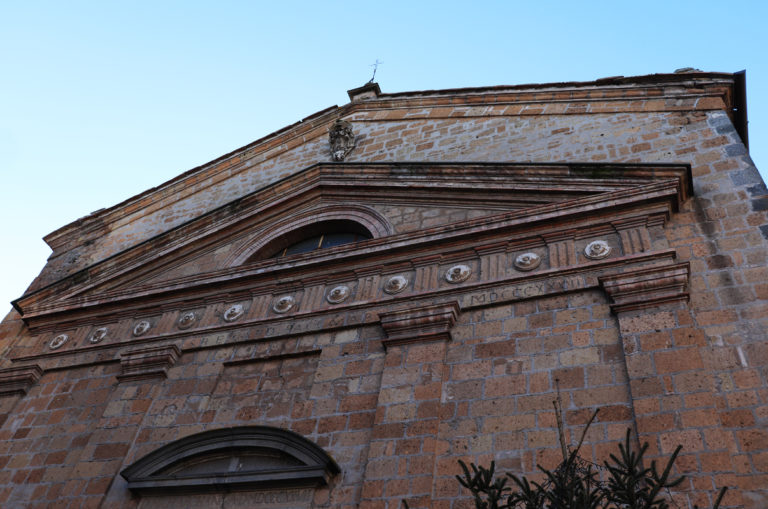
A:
[426, 323]
[148, 362]
[647, 287]
[18, 380]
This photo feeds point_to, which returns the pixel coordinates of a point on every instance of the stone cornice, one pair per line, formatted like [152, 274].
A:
[661, 92]
[421, 324]
[636, 185]
[149, 362]
[265, 325]
[647, 287]
[18, 380]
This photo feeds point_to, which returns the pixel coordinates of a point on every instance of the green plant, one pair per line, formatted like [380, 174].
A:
[577, 484]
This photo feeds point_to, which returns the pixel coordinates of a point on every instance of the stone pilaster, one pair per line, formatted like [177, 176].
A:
[672, 390]
[401, 458]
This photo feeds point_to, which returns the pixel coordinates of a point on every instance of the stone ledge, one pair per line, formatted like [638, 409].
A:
[647, 287]
[18, 381]
[428, 323]
[149, 362]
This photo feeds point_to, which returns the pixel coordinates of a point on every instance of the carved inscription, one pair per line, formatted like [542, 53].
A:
[279, 497]
[524, 290]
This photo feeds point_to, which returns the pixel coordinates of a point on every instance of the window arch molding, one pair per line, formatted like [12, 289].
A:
[213, 461]
[364, 217]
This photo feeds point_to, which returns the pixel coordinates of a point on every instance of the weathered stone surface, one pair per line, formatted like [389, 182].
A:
[412, 371]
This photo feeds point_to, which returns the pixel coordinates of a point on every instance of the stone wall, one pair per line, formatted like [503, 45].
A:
[398, 390]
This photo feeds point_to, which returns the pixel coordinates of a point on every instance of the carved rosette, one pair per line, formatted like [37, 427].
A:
[186, 320]
[338, 294]
[527, 261]
[141, 328]
[342, 139]
[283, 304]
[458, 273]
[395, 284]
[234, 312]
[97, 335]
[58, 341]
[597, 250]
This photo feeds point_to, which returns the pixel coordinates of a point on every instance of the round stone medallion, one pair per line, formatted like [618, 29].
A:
[283, 304]
[395, 284]
[234, 312]
[58, 341]
[527, 261]
[458, 273]
[338, 294]
[597, 250]
[140, 328]
[187, 320]
[97, 335]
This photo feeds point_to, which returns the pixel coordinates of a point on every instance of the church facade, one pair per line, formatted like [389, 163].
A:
[335, 314]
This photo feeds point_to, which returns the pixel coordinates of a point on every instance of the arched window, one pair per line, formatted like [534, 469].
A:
[320, 228]
[320, 235]
[242, 458]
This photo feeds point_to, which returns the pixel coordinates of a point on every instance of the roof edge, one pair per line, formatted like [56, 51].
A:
[95, 223]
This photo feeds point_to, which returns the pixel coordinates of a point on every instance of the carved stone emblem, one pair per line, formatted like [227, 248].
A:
[527, 261]
[283, 304]
[395, 284]
[597, 249]
[234, 312]
[186, 320]
[458, 273]
[342, 139]
[97, 335]
[338, 295]
[140, 328]
[58, 341]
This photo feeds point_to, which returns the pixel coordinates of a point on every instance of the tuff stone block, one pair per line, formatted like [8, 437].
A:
[448, 334]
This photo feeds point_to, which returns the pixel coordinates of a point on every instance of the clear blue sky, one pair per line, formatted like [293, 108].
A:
[100, 100]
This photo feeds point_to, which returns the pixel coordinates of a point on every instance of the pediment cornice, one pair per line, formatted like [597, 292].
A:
[697, 91]
[589, 198]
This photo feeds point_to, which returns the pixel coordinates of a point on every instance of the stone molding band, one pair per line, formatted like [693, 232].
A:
[647, 287]
[427, 323]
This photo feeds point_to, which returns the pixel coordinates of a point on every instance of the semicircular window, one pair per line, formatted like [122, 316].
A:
[243, 458]
[320, 235]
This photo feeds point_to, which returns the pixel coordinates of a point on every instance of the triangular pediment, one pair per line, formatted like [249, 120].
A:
[443, 203]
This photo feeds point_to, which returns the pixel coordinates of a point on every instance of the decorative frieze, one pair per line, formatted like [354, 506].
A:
[338, 294]
[562, 251]
[141, 328]
[283, 304]
[634, 235]
[186, 320]
[234, 312]
[98, 335]
[148, 362]
[458, 273]
[18, 380]
[527, 261]
[395, 284]
[58, 341]
[597, 250]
